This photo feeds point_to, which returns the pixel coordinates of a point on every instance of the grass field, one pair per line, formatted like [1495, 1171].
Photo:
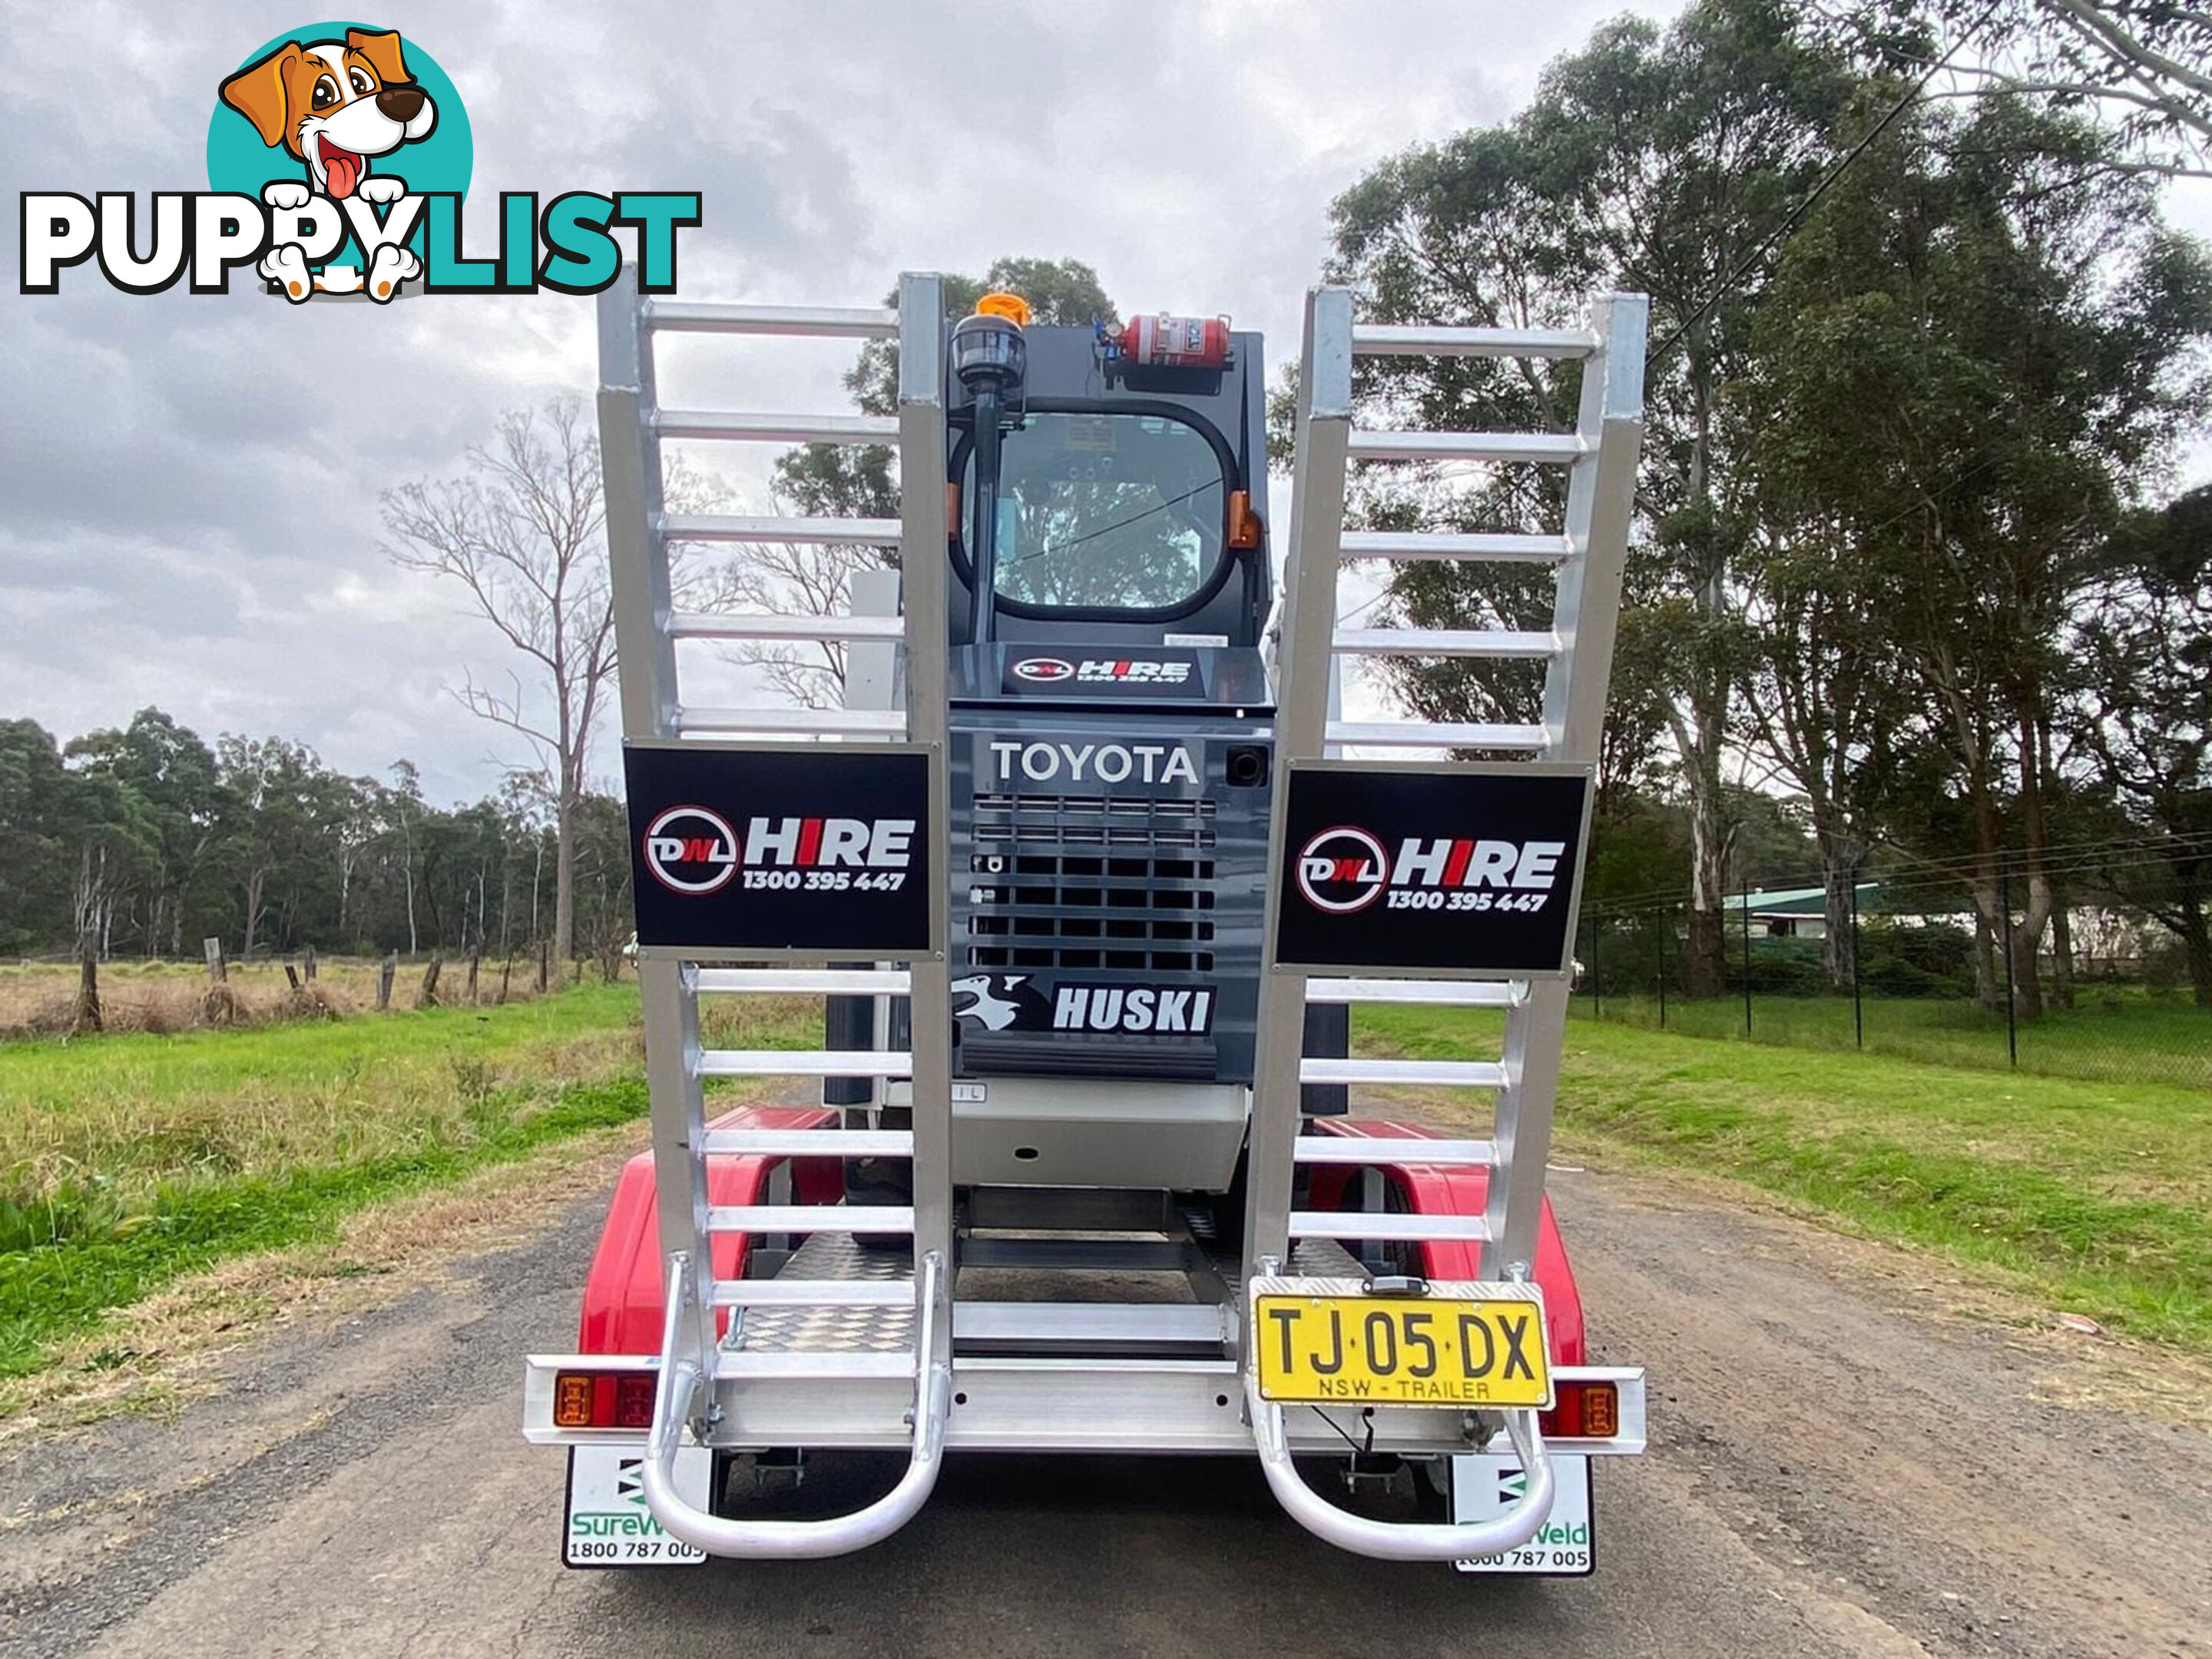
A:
[127, 1160]
[2125, 1038]
[2096, 1194]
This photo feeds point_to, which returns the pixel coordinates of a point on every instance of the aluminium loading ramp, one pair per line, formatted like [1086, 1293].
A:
[798, 1375]
[1589, 555]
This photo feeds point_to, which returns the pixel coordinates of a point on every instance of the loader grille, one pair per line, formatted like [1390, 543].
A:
[1083, 882]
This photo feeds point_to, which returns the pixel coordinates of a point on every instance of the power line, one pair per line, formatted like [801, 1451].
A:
[1894, 886]
[1109, 528]
[1920, 873]
[1796, 215]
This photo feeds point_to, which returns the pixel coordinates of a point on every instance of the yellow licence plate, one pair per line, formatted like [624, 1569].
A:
[1401, 1351]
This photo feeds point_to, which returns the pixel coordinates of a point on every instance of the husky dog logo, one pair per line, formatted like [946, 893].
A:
[335, 106]
[986, 1005]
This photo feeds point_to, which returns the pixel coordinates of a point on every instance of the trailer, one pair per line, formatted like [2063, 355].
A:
[1089, 875]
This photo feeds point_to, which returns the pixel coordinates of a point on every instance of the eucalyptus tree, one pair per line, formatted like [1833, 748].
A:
[1664, 162]
[2143, 716]
[2141, 68]
[1978, 352]
[172, 774]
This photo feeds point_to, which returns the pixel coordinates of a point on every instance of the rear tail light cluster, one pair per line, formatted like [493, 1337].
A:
[603, 1399]
[1583, 1411]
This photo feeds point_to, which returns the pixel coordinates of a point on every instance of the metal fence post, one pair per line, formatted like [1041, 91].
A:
[1666, 927]
[2012, 997]
[1746, 960]
[1859, 1002]
[1597, 968]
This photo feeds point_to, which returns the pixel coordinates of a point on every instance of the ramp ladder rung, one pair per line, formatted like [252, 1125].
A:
[810, 1218]
[814, 1293]
[1383, 1225]
[1447, 642]
[762, 625]
[1433, 993]
[1450, 1073]
[1417, 545]
[803, 981]
[809, 1143]
[1394, 1149]
[795, 722]
[1554, 448]
[1432, 734]
[804, 1062]
[750, 428]
[1431, 340]
[789, 1364]
[731, 528]
[816, 322]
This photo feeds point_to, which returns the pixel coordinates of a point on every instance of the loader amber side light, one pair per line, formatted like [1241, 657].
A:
[1585, 1411]
[953, 512]
[1244, 526]
[1011, 306]
[573, 1393]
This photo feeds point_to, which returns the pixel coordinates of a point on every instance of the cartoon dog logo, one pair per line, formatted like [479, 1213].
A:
[335, 106]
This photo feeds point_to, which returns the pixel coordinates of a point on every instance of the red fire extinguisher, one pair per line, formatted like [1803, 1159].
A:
[1167, 341]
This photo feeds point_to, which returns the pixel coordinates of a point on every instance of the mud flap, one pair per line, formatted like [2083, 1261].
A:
[1484, 1483]
[606, 1523]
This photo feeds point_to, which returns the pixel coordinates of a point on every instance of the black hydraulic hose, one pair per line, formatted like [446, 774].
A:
[983, 548]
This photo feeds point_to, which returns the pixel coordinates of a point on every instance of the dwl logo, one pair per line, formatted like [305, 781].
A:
[691, 849]
[1342, 870]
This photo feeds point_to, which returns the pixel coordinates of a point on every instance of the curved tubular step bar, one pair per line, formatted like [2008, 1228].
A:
[1396, 1540]
[794, 1541]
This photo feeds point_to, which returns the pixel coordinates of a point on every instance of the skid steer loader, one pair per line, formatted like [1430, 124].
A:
[1090, 890]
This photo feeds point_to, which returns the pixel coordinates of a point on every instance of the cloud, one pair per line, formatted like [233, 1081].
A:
[191, 482]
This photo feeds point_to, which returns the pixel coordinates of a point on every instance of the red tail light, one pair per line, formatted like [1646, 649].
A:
[603, 1399]
[634, 1400]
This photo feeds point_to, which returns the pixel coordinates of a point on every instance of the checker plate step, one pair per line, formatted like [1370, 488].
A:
[800, 1330]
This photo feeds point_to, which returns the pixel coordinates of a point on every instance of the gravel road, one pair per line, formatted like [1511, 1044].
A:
[1841, 1464]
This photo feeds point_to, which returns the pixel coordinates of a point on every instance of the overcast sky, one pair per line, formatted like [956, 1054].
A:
[190, 483]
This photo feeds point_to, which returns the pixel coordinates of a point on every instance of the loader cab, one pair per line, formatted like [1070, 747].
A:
[1111, 727]
[1111, 736]
[1128, 504]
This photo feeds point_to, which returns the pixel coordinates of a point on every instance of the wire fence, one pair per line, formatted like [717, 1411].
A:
[2087, 970]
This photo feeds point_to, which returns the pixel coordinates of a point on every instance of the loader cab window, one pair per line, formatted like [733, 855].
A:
[1107, 510]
